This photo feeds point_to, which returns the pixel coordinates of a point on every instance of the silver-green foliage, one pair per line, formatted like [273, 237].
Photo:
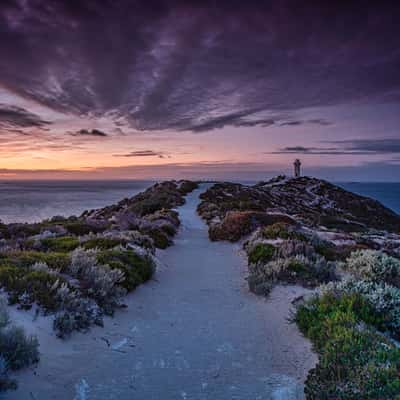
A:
[384, 298]
[374, 266]
[17, 350]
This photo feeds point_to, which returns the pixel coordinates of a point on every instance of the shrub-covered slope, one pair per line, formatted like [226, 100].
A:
[309, 232]
[80, 268]
[309, 201]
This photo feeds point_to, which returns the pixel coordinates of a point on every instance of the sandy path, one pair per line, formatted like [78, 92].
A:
[193, 333]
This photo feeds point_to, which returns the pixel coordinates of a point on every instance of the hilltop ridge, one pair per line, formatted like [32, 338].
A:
[233, 210]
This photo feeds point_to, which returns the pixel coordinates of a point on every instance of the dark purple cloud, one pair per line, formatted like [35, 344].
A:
[93, 132]
[142, 153]
[12, 116]
[198, 65]
[351, 146]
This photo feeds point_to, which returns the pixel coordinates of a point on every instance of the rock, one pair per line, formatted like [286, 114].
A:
[308, 201]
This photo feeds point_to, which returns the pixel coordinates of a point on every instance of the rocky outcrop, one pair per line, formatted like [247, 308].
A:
[233, 210]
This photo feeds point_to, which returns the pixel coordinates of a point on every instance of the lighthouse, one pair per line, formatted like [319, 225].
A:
[297, 165]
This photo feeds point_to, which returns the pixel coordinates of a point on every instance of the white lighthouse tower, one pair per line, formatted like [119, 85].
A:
[297, 165]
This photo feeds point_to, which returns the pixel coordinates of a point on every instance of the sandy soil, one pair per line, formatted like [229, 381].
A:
[194, 332]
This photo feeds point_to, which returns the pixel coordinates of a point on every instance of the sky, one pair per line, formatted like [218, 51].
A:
[109, 89]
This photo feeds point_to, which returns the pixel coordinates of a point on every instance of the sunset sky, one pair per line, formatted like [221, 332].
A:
[207, 89]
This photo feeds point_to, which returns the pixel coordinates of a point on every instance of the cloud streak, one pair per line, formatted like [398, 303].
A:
[17, 117]
[344, 147]
[93, 132]
[142, 153]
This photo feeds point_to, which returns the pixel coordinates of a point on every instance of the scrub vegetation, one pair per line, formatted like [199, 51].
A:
[80, 268]
[308, 232]
[17, 350]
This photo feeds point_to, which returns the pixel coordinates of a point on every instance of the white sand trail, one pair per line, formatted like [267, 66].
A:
[195, 332]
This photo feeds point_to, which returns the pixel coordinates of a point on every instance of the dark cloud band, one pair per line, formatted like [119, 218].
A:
[12, 116]
[343, 147]
[190, 65]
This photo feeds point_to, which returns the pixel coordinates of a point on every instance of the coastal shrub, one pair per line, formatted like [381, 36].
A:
[25, 259]
[282, 230]
[355, 362]
[137, 238]
[160, 239]
[186, 187]
[42, 267]
[60, 244]
[41, 287]
[21, 230]
[291, 261]
[258, 284]
[327, 249]
[82, 259]
[168, 228]
[383, 298]
[102, 283]
[76, 313]
[6, 383]
[80, 228]
[17, 350]
[234, 226]
[291, 248]
[375, 266]
[297, 269]
[122, 238]
[137, 268]
[99, 282]
[158, 197]
[25, 286]
[261, 253]
[103, 243]
[170, 216]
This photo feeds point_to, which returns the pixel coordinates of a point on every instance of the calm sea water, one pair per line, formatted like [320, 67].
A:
[30, 201]
[387, 193]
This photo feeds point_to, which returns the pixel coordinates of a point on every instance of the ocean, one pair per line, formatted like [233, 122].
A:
[388, 193]
[32, 201]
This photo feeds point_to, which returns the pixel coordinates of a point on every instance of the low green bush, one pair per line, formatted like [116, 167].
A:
[55, 260]
[315, 317]
[261, 252]
[282, 230]
[17, 350]
[384, 298]
[160, 238]
[299, 269]
[169, 229]
[103, 243]
[80, 228]
[26, 287]
[20, 230]
[355, 362]
[60, 244]
[187, 187]
[137, 269]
